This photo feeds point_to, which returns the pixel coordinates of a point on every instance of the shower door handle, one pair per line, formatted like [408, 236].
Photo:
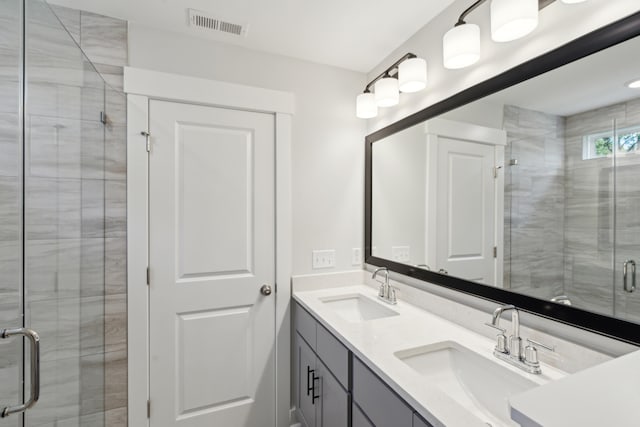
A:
[625, 273]
[34, 339]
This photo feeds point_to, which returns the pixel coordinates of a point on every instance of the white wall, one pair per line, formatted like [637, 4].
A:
[328, 140]
[559, 24]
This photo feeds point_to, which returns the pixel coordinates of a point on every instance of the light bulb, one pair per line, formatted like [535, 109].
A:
[461, 46]
[412, 75]
[572, 1]
[634, 84]
[366, 107]
[386, 92]
[513, 19]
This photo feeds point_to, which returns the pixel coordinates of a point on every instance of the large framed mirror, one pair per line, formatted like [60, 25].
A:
[524, 189]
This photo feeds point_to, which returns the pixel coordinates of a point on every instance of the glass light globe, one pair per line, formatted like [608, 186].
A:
[461, 46]
[513, 19]
[366, 107]
[412, 75]
[386, 92]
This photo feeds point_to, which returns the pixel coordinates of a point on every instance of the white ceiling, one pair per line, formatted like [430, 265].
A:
[351, 34]
[595, 81]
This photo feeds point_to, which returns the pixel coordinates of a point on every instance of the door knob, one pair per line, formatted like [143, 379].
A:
[265, 290]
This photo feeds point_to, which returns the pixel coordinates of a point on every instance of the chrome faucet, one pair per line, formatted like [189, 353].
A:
[512, 352]
[386, 292]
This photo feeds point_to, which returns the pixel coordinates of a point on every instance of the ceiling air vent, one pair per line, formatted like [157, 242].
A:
[205, 21]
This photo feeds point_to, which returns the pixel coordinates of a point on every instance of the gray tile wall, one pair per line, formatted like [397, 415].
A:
[10, 202]
[534, 202]
[75, 212]
[591, 261]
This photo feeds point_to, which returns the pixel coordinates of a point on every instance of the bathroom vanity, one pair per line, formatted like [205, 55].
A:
[362, 362]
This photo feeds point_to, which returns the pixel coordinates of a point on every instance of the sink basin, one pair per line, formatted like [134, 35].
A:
[480, 385]
[357, 307]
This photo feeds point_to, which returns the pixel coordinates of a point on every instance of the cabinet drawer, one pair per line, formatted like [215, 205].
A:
[377, 400]
[305, 325]
[359, 420]
[334, 355]
[419, 422]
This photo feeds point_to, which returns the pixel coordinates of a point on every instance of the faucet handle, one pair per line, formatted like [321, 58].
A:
[491, 325]
[532, 343]
[531, 352]
[501, 345]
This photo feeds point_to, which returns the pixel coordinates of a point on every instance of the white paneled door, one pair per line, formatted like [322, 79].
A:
[211, 249]
[466, 210]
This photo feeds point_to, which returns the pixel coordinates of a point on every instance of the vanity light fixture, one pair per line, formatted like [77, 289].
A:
[407, 74]
[634, 84]
[510, 20]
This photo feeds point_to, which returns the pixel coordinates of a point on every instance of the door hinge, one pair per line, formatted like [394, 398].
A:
[148, 276]
[148, 409]
[147, 136]
[496, 169]
[495, 252]
[103, 118]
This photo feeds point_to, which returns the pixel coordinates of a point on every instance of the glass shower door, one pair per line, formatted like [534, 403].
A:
[52, 207]
[627, 239]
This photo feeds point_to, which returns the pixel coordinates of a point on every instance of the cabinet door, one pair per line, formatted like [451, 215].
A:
[381, 405]
[419, 422]
[359, 420]
[305, 369]
[332, 409]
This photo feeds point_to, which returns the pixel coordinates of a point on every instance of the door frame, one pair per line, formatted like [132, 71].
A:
[141, 86]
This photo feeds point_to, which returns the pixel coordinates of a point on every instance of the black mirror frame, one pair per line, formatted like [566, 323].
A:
[589, 44]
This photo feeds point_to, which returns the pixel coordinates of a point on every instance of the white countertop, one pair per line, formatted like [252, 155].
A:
[605, 395]
[376, 341]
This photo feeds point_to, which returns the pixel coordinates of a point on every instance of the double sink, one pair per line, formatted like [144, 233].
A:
[479, 384]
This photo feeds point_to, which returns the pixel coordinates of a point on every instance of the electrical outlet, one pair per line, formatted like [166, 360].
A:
[323, 259]
[356, 256]
[401, 253]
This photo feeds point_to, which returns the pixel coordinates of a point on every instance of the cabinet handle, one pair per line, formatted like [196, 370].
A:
[309, 387]
[314, 396]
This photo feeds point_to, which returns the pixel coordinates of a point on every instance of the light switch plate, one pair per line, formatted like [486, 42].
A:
[323, 259]
[356, 256]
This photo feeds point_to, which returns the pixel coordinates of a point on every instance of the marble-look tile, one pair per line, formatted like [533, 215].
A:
[92, 267]
[116, 152]
[116, 107]
[93, 208]
[52, 269]
[10, 89]
[116, 265]
[11, 272]
[115, 380]
[113, 76]
[54, 100]
[53, 208]
[632, 113]
[54, 147]
[92, 150]
[92, 384]
[116, 417]
[70, 19]
[10, 146]
[116, 323]
[104, 39]
[116, 208]
[10, 209]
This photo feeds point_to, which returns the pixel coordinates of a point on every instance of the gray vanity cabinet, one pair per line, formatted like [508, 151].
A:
[381, 405]
[333, 388]
[321, 385]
